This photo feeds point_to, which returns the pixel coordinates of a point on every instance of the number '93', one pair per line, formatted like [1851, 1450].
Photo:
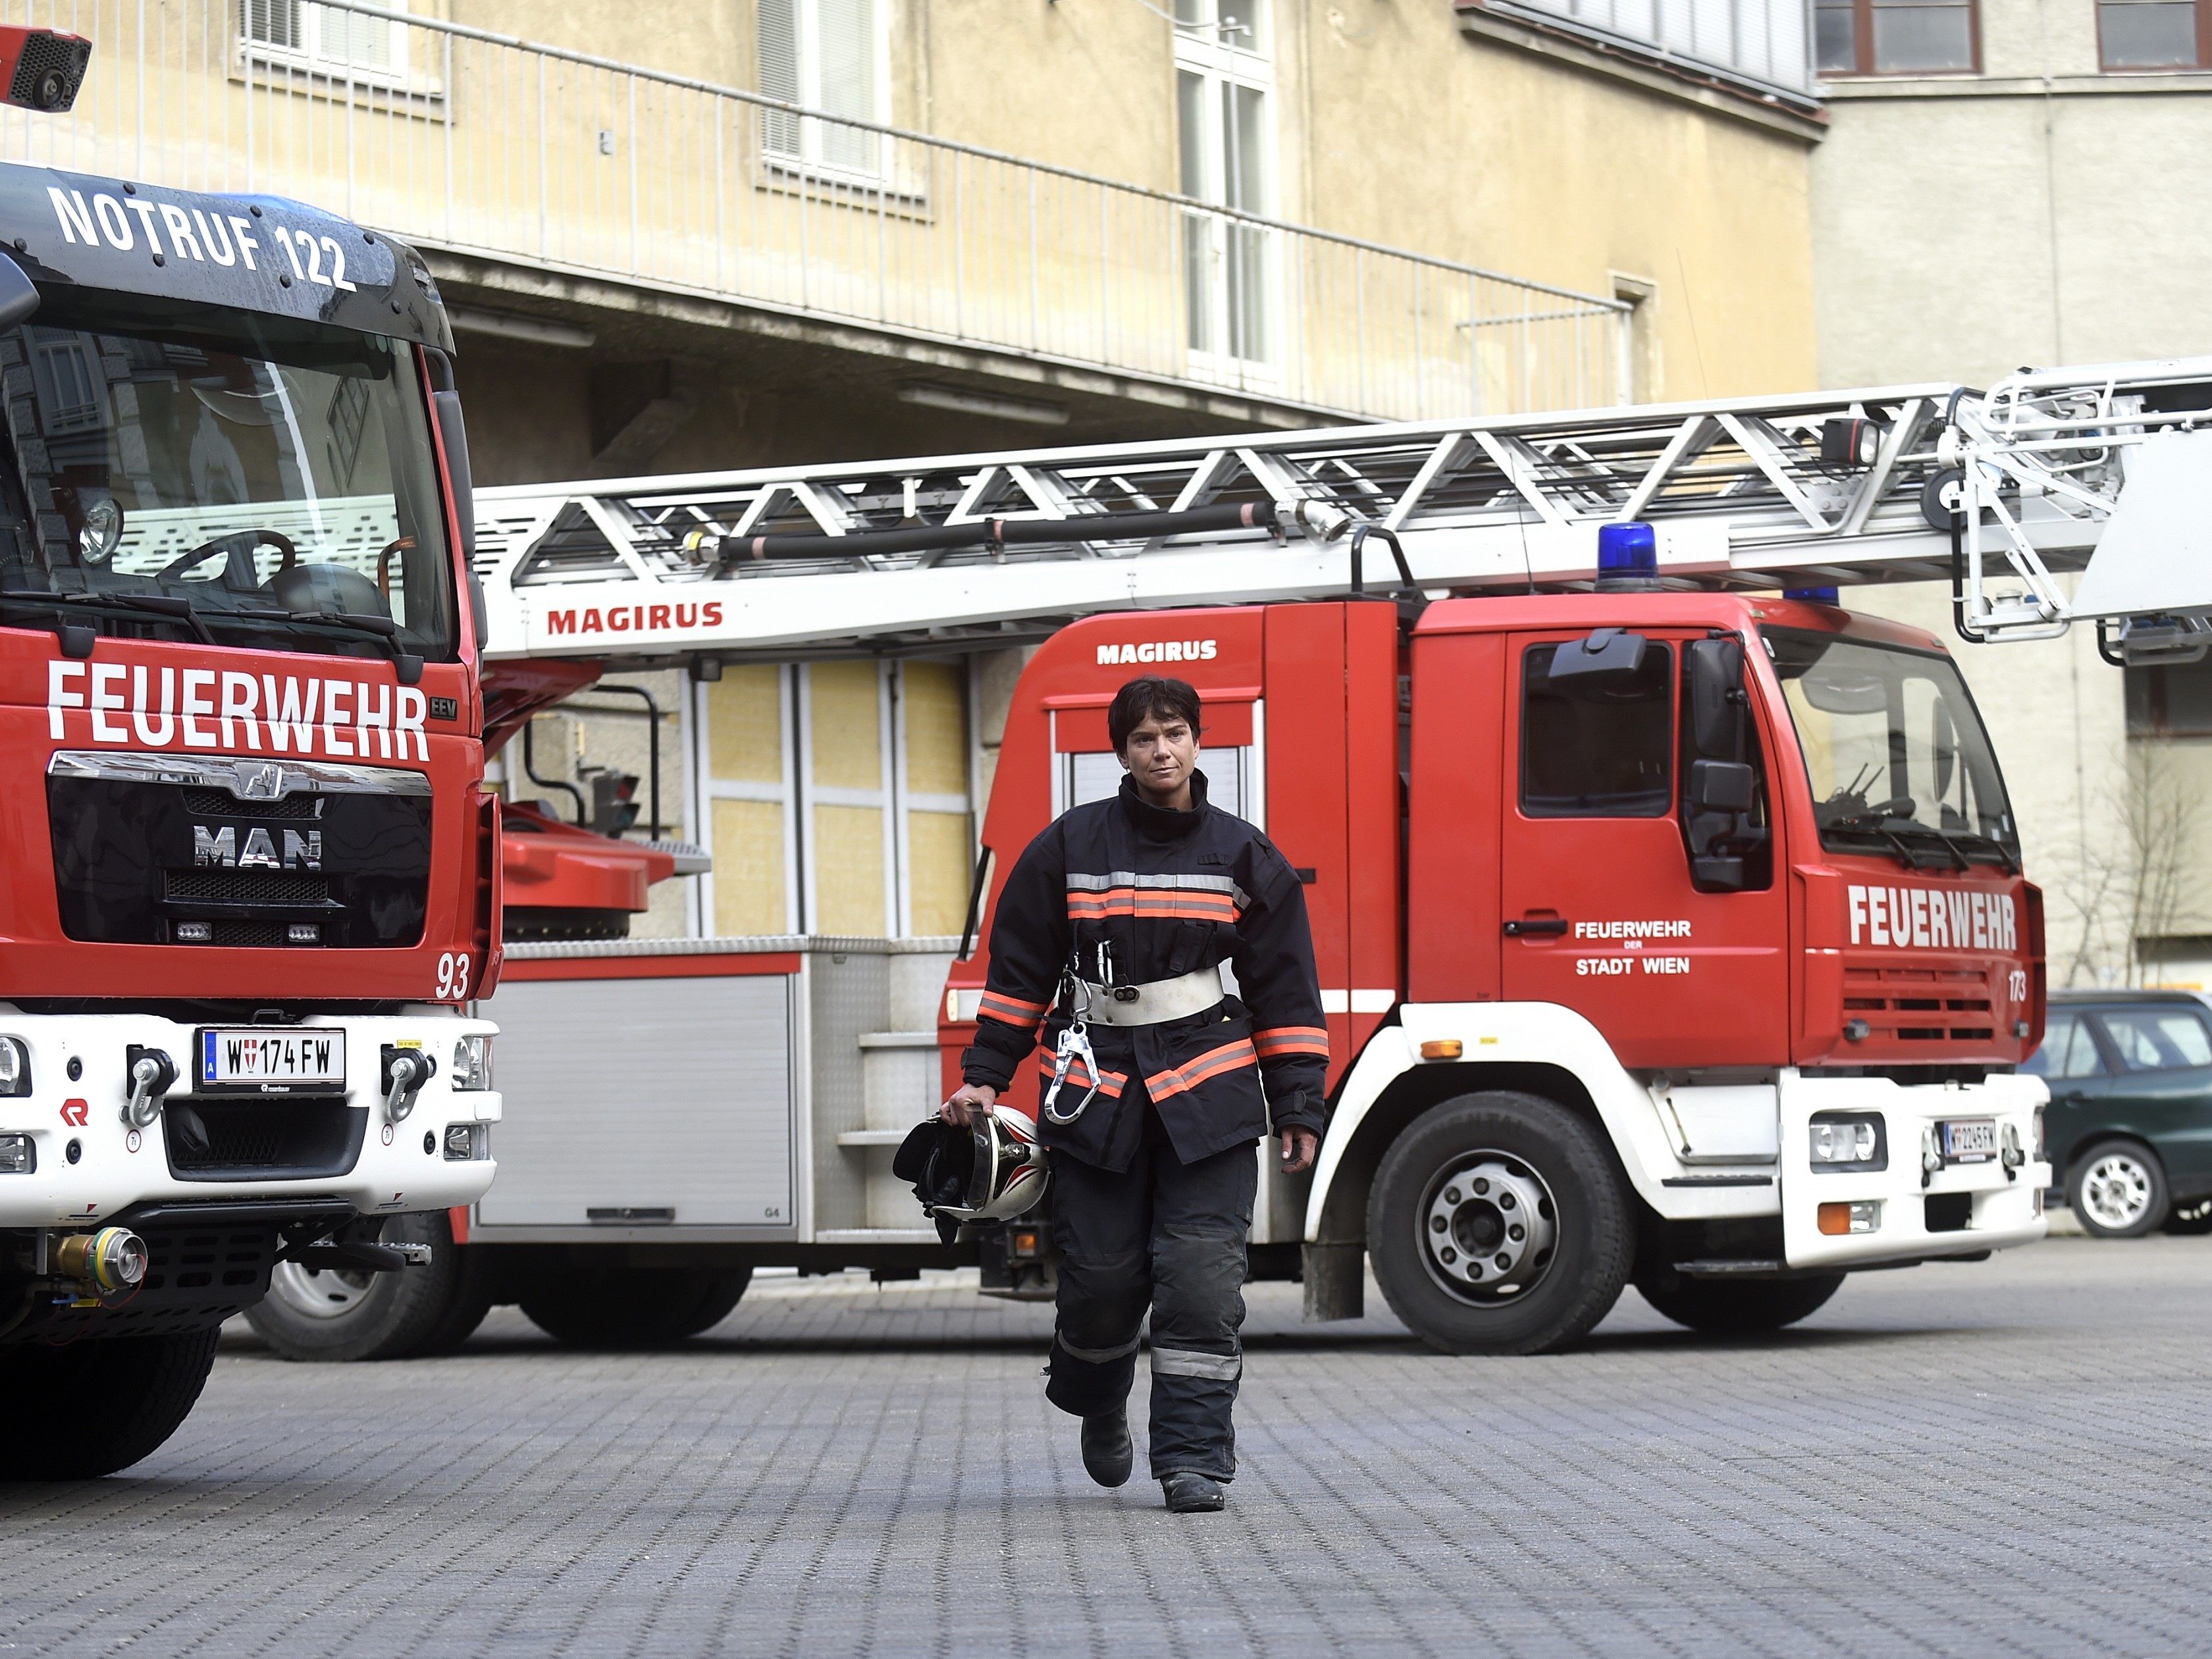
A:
[454, 975]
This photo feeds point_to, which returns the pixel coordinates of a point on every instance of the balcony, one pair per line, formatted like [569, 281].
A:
[539, 160]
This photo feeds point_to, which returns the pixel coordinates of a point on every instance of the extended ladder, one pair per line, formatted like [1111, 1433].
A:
[2000, 492]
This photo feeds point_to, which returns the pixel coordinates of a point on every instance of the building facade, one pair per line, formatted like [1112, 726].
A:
[2011, 182]
[680, 238]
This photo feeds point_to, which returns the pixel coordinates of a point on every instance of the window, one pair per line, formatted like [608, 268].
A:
[2173, 701]
[2068, 1050]
[2153, 34]
[831, 56]
[2159, 1039]
[1224, 139]
[1759, 41]
[345, 44]
[1896, 37]
[1588, 752]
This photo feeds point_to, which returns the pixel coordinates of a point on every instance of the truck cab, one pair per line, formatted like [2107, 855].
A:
[255, 882]
[1691, 924]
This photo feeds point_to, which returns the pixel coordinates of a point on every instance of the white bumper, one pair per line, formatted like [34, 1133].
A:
[1976, 1206]
[116, 1167]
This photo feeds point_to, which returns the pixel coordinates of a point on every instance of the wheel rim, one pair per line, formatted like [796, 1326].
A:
[1489, 1228]
[2116, 1192]
[319, 1293]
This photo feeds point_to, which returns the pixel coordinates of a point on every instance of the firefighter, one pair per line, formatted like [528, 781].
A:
[1108, 944]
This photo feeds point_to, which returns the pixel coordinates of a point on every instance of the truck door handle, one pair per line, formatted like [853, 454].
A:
[1528, 924]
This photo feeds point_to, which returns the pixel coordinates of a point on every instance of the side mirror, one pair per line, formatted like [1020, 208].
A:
[1715, 694]
[1608, 662]
[19, 295]
[1721, 786]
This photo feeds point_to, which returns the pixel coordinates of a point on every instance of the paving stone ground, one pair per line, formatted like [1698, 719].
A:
[2008, 1457]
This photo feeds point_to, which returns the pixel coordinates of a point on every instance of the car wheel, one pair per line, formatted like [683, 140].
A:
[624, 1307]
[1497, 1225]
[2118, 1189]
[99, 1405]
[2193, 1219]
[1742, 1307]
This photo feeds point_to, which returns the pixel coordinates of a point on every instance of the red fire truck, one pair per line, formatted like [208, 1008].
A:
[254, 888]
[1672, 931]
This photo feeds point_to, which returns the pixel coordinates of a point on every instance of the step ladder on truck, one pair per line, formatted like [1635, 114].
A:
[252, 890]
[1670, 918]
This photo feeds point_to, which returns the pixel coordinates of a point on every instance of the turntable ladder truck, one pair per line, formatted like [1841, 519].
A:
[1670, 930]
[252, 884]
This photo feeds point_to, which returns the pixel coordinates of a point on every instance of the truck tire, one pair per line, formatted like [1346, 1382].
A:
[1738, 1307]
[628, 1308]
[2117, 1189]
[1497, 1225]
[339, 1314]
[124, 1396]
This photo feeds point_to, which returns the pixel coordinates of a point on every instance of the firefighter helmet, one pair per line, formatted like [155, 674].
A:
[992, 1169]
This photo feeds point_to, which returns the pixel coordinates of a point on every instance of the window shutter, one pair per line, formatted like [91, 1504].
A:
[846, 38]
[274, 23]
[779, 73]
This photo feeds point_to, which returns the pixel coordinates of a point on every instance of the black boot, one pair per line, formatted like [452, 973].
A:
[1106, 1450]
[1190, 1494]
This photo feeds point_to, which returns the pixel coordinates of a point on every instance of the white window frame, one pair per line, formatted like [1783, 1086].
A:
[1220, 60]
[806, 18]
[309, 57]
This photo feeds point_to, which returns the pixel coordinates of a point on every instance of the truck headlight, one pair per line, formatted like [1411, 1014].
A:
[15, 1068]
[1849, 1140]
[2041, 1154]
[471, 1062]
[19, 1155]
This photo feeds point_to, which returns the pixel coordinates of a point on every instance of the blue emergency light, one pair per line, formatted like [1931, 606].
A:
[1627, 558]
[1812, 595]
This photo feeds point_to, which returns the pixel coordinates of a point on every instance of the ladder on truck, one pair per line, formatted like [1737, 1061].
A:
[2000, 492]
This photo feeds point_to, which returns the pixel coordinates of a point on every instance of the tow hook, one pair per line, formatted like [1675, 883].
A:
[405, 1072]
[153, 1074]
[2013, 1155]
[1931, 1155]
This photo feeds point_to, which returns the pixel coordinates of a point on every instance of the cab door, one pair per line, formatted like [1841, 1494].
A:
[1600, 910]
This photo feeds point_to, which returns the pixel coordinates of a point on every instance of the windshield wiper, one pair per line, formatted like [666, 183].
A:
[1879, 825]
[115, 605]
[405, 663]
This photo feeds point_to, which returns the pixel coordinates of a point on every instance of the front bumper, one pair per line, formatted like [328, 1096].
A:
[93, 1165]
[1959, 1209]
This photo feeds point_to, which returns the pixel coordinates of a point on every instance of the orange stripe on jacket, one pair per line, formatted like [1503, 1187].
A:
[1164, 904]
[1010, 1011]
[1214, 1062]
[1292, 1040]
[1110, 1083]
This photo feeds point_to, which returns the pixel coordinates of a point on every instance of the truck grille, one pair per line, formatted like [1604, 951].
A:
[273, 1137]
[221, 804]
[1920, 1005]
[246, 886]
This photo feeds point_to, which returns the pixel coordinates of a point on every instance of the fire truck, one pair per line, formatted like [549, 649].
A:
[1670, 917]
[254, 888]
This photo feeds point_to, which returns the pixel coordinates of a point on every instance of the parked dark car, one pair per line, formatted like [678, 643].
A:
[2129, 1124]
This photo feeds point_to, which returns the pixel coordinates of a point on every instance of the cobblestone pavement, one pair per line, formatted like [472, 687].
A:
[2005, 1457]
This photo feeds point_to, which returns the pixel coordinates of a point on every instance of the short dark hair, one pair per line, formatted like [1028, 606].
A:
[1150, 695]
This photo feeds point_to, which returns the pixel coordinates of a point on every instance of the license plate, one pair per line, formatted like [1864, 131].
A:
[257, 1057]
[1970, 1139]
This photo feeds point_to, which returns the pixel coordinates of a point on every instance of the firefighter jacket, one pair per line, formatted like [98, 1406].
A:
[1165, 893]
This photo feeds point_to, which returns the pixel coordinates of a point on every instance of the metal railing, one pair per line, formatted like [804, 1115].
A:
[463, 139]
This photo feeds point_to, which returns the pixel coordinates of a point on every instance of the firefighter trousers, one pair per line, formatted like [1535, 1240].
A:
[1170, 1235]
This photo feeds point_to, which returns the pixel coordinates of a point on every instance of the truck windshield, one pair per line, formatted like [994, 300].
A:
[182, 471]
[1895, 750]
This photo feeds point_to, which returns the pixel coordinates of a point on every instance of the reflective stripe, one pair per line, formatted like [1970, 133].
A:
[1229, 1057]
[1010, 1010]
[1189, 1362]
[1281, 1040]
[1131, 878]
[1151, 905]
[1096, 1356]
[1110, 1083]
